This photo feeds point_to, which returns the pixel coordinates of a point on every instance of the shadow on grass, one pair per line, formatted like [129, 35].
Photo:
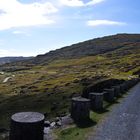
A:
[105, 109]
[109, 104]
[101, 111]
[86, 123]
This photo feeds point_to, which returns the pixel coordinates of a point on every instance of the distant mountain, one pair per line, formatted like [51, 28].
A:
[4, 60]
[89, 48]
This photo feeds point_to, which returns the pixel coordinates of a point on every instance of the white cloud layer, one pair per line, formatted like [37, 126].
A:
[16, 14]
[93, 2]
[79, 3]
[104, 22]
[72, 3]
[20, 32]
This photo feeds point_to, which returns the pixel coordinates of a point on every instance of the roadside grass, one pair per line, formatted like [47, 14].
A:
[75, 132]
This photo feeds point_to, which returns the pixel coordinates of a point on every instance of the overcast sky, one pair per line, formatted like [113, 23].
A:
[31, 27]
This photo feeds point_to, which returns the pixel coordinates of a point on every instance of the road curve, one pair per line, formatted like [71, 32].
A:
[123, 123]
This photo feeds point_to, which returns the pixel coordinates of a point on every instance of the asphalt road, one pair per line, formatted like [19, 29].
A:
[123, 122]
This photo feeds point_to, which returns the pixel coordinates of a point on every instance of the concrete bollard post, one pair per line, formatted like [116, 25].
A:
[135, 81]
[130, 84]
[109, 95]
[117, 92]
[80, 109]
[96, 101]
[126, 85]
[27, 126]
[122, 88]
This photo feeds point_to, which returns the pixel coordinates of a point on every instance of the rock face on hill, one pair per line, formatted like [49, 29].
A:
[90, 47]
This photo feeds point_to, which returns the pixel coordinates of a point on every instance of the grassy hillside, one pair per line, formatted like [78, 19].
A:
[89, 47]
[48, 88]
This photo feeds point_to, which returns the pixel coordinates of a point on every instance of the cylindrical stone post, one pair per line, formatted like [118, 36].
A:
[109, 95]
[135, 81]
[122, 88]
[131, 83]
[117, 92]
[27, 126]
[80, 109]
[96, 101]
[138, 79]
[126, 85]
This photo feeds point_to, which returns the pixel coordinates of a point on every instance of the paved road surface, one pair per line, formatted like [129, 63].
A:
[123, 123]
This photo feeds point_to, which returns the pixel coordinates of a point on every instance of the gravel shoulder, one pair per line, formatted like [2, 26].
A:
[123, 122]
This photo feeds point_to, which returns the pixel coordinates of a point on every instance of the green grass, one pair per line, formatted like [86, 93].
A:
[74, 132]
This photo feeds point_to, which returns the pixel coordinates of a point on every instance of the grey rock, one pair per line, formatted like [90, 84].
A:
[53, 124]
[47, 123]
[46, 130]
[58, 123]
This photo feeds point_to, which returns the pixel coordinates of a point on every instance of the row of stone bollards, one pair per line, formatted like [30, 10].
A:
[80, 107]
[30, 125]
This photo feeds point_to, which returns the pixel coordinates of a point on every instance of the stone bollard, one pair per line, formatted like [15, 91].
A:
[117, 92]
[27, 126]
[80, 109]
[130, 84]
[122, 88]
[138, 80]
[109, 95]
[135, 81]
[96, 101]
[126, 83]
